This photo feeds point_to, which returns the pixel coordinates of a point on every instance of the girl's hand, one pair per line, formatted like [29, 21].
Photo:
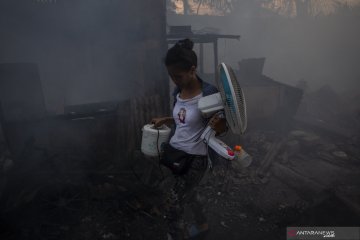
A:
[159, 121]
[218, 124]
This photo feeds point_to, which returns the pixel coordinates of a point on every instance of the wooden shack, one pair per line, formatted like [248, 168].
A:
[269, 103]
[94, 57]
[87, 50]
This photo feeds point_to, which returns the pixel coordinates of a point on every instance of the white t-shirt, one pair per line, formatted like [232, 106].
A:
[189, 126]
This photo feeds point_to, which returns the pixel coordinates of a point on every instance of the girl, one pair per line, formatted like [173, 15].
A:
[181, 63]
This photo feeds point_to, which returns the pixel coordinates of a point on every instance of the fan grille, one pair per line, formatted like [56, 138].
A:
[235, 108]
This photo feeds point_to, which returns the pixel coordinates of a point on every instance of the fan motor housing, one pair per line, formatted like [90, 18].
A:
[210, 104]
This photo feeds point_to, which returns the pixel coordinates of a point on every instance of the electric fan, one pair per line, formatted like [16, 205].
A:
[229, 100]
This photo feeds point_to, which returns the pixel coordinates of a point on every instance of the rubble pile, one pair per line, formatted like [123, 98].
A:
[295, 177]
[325, 108]
[112, 204]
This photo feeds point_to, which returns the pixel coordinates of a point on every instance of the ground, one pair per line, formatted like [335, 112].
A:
[311, 180]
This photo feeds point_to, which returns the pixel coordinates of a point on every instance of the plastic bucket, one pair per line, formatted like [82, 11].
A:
[151, 136]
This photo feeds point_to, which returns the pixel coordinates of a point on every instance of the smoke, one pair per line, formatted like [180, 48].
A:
[321, 50]
[85, 50]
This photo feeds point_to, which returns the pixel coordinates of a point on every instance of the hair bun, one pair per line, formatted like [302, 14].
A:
[186, 43]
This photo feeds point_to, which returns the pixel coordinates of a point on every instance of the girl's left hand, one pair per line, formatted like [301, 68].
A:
[218, 124]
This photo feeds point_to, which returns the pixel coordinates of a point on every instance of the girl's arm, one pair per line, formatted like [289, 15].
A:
[162, 120]
[218, 124]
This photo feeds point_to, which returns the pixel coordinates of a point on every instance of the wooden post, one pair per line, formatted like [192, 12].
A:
[132, 116]
[3, 130]
[202, 58]
[270, 156]
[216, 60]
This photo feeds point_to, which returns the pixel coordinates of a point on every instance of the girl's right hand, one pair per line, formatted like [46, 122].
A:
[159, 121]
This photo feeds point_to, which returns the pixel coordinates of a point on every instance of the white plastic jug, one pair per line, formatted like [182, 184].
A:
[151, 136]
[242, 159]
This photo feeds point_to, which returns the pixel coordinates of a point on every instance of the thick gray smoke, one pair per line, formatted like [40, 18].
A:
[319, 50]
[86, 51]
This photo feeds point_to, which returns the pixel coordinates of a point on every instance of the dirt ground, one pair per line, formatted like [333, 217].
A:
[316, 187]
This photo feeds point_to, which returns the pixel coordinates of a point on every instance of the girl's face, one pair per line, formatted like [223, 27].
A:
[182, 78]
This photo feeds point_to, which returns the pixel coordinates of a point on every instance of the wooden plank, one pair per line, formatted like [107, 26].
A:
[352, 203]
[304, 186]
[139, 112]
[122, 126]
[271, 156]
[324, 127]
[321, 171]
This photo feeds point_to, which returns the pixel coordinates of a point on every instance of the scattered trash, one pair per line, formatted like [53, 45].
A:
[282, 206]
[121, 188]
[243, 215]
[264, 179]
[65, 228]
[340, 154]
[86, 219]
[155, 211]
[147, 214]
[117, 200]
[306, 136]
[108, 236]
[224, 225]
[135, 205]
[8, 164]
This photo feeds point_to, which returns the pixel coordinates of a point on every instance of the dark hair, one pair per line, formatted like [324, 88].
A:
[182, 55]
